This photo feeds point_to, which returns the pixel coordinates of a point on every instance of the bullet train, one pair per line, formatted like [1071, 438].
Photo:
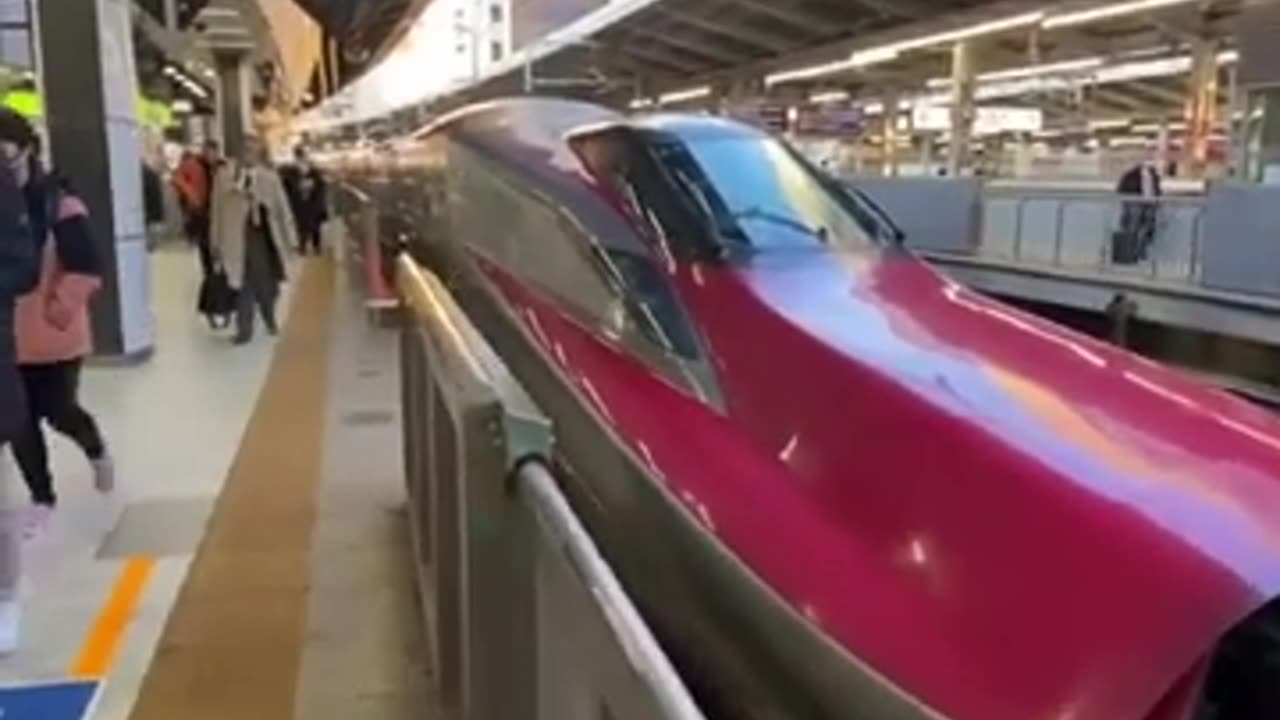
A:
[838, 484]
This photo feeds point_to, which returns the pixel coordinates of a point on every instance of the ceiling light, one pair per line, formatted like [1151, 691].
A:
[866, 57]
[1104, 12]
[829, 96]
[677, 96]
[1109, 124]
[641, 103]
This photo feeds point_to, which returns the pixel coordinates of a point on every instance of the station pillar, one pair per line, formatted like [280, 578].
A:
[889, 134]
[963, 106]
[1202, 106]
[1258, 80]
[90, 90]
[234, 104]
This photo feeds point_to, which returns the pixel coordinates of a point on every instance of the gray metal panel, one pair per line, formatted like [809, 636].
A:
[1242, 239]
[1259, 26]
[935, 213]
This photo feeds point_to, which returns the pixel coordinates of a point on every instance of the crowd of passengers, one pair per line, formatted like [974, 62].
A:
[240, 213]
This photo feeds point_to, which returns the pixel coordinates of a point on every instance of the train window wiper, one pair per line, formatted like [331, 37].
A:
[755, 212]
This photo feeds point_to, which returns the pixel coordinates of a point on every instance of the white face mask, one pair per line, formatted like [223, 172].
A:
[18, 161]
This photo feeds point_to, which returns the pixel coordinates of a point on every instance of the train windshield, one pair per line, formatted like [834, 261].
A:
[758, 194]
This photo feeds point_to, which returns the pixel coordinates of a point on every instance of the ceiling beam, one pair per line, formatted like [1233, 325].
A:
[666, 61]
[904, 9]
[735, 32]
[793, 16]
[708, 51]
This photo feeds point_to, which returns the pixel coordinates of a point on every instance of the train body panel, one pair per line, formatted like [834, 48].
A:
[836, 481]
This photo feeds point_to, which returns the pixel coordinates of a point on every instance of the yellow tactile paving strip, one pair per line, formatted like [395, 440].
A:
[233, 643]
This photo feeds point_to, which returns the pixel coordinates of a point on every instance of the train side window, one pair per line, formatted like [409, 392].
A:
[525, 235]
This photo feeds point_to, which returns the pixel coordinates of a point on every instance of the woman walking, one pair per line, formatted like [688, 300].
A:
[53, 340]
[19, 248]
[252, 226]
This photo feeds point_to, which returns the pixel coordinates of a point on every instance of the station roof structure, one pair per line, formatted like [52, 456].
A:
[1132, 54]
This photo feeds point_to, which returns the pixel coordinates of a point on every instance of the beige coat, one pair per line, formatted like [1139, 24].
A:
[231, 205]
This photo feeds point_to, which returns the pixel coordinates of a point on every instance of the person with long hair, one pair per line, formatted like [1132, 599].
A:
[54, 338]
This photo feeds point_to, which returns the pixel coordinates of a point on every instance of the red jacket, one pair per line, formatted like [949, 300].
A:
[52, 322]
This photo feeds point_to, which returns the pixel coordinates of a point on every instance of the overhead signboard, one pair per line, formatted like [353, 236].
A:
[988, 120]
[768, 115]
[832, 119]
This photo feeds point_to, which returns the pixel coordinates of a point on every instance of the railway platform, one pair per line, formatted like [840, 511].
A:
[294, 535]
[253, 561]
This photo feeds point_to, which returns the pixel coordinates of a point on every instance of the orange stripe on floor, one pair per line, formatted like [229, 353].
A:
[100, 646]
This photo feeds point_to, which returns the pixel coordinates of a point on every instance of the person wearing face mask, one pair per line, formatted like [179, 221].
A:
[20, 246]
[252, 226]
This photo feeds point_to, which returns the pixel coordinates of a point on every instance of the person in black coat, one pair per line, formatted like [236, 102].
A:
[309, 199]
[21, 245]
[1137, 232]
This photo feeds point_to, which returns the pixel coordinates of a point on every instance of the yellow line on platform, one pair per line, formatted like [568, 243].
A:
[100, 646]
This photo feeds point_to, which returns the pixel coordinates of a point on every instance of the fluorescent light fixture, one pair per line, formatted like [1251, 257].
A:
[677, 96]
[1228, 57]
[890, 51]
[1109, 124]
[1029, 71]
[182, 105]
[641, 103]
[1105, 12]
[810, 71]
[829, 96]
[1155, 127]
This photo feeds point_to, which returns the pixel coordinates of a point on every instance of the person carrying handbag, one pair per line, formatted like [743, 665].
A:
[252, 227]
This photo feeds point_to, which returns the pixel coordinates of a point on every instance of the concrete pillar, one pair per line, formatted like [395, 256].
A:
[234, 104]
[963, 105]
[89, 83]
[1268, 101]
[889, 134]
[1202, 106]
[171, 14]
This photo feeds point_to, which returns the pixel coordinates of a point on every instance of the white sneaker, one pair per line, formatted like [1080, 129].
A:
[104, 474]
[10, 620]
[36, 522]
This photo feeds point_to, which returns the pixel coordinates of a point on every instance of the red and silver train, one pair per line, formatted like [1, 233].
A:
[837, 483]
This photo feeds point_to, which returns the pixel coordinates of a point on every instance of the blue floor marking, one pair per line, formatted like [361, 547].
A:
[61, 701]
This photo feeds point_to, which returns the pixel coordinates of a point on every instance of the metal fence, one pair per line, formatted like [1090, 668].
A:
[525, 619]
[362, 251]
[1162, 239]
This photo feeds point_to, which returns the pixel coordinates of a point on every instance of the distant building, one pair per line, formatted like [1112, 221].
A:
[532, 19]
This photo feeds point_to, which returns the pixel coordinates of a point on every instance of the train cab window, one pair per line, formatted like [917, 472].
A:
[757, 194]
[636, 265]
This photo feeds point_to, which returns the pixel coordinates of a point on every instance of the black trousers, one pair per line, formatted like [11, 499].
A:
[259, 287]
[52, 396]
[310, 238]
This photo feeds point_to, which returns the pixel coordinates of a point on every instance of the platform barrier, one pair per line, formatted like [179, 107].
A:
[1158, 238]
[363, 252]
[525, 618]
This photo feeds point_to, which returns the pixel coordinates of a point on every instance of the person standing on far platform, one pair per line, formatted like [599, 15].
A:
[19, 249]
[252, 226]
[53, 340]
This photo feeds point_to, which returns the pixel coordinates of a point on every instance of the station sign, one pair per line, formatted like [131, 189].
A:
[988, 119]
[832, 119]
[764, 114]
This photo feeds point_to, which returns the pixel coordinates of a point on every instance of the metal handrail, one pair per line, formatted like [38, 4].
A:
[651, 665]
[493, 533]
